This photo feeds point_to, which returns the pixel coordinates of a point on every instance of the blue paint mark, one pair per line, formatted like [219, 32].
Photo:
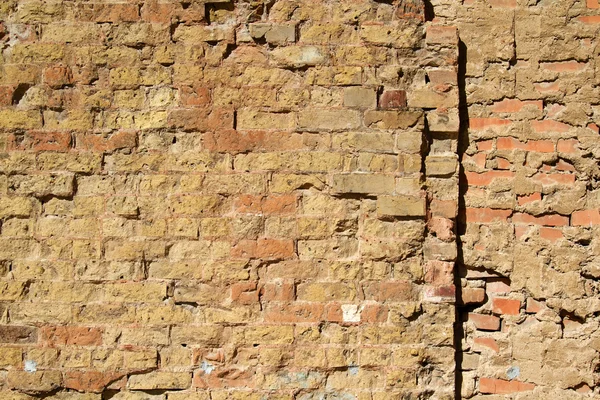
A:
[513, 372]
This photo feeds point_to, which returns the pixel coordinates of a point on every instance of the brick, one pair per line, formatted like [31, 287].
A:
[39, 381]
[363, 183]
[18, 334]
[264, 248]
[567, 146]
[500, 386]
[505, 306]
[90, 381]
[547, 220]
[564, 66]
[401, 206]
[444, 35]
[551, 234]
[160, 380]
[393, 99]
[522, 200]
[328, 120]
[71, 335]
[486, 215]
[548, 126]
[516, 105]
[441, 165]
[534, 306]
[488, 343]
[592, 4]
[585, 218]
[472, 295]
[485, 178]
[485, 322]
[440, 294]
[482, 124]
[273, 33]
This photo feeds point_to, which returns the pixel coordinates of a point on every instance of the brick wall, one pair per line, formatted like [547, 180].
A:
[227, 200]
[529, 233]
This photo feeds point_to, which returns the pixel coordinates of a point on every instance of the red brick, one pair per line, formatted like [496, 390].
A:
[520, 231]
[502, 163]
[393, 99]
[41, 141]
[158, 13]
[486, 215]
[595, 128]
[509, 143]
[71, 335]
[549, 125]
[442, 228]
[522, 200]
[472, 295]
[486, 342]
[568, 146]
[90, 381]
[592, 4]
[485, 322]
[554, 179]
[274, 204]
[485, 178]
[485, 145]
[439, 272]
[585, 218]
[201, 119]
[264, 248]
[374, 313]
[333, 313]
[562, 165]
[390, 291]
[515, 105]
[58, 76]
[591, 19]
[194, 96]
[245, 292]
[541, 146]
[6, 95]
[480, 124]
[283, 291]
[548, 220]
[505, 306]
[551, 234]
[478, 159]
[108, 12]
[445, 294]
[224, 377]
[104, 143]
[564, 66]
[500, 386]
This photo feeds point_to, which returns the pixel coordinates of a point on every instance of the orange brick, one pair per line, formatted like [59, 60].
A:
[548, 125]
[485, 322]
[480, 124]
[585, 218]
[486, 342]
[485, 178]
[551, 234]
[548, 220]
[472, 295]
[486, 215]
[71, 335]
[505, 306]
[500, 386]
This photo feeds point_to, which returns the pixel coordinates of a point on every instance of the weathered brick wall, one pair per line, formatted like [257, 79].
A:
[227, 200]
[529, 263]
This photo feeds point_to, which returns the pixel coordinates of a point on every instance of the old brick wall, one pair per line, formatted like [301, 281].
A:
[529, 261]
[227, 200]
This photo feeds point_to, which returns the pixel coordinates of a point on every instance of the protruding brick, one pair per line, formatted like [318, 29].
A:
[585, 218]
[393, 99]
[485, 322]
[470, 295]
[505, 306]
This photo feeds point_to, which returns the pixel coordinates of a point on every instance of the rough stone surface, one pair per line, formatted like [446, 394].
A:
[214, 200]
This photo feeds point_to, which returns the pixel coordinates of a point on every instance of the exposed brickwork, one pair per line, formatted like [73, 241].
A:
[227, 200]
[528, 231]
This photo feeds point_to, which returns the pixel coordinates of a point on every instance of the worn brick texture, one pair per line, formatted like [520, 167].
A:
[214, 200]
[529, 222]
